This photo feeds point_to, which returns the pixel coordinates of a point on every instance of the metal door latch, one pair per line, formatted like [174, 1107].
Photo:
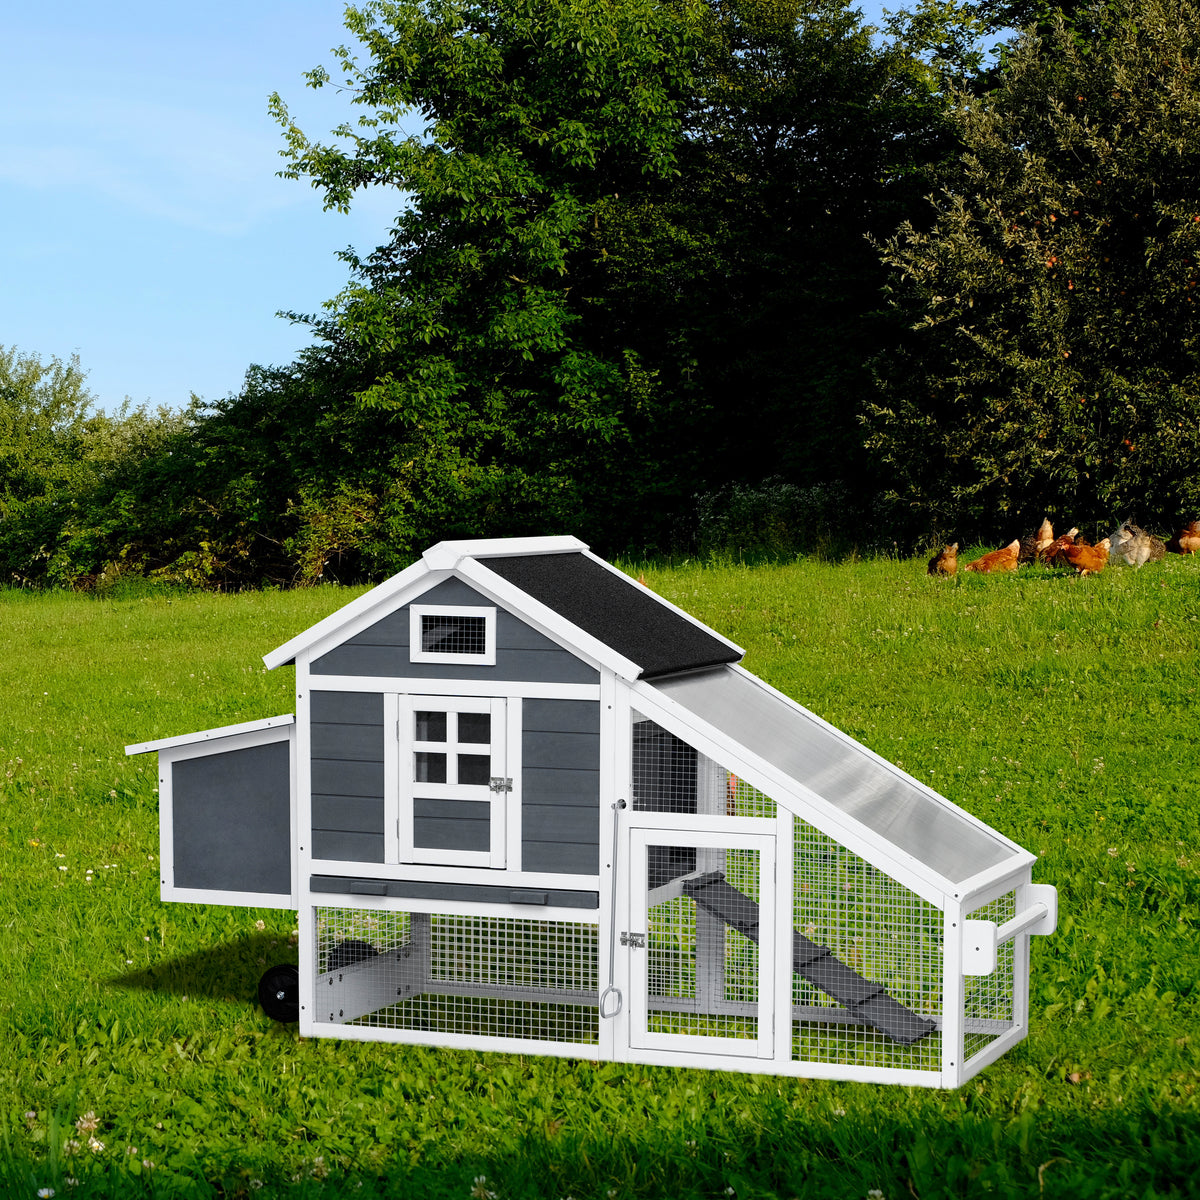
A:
[633, 939]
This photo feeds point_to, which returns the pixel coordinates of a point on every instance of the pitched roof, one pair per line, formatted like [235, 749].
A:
[616, 610]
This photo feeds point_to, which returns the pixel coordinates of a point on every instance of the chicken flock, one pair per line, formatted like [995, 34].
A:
[1127, 544]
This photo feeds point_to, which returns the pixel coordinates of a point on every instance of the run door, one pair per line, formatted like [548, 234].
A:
[701, 963]
[454, 787]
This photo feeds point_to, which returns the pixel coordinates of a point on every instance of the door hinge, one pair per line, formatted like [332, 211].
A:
[498, 784]
[633, 939]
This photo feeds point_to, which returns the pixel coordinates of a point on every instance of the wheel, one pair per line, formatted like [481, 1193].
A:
[345, 954]
[279, 993]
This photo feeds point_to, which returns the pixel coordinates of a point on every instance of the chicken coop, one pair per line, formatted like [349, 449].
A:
[526, 804]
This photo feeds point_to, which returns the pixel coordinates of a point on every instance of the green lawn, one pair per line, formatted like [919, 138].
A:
[1062, 711]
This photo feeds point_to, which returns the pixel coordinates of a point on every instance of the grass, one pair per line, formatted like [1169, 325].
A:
[1061, 711]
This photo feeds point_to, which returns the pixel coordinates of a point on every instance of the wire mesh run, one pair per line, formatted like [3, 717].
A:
[879, 936]
[702, 941]
[670, 776]
[488, 977]
[988, 1001]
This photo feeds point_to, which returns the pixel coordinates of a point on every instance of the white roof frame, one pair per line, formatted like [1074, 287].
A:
[212, 735]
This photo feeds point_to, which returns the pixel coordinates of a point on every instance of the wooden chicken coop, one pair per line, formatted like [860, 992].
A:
[527, 804]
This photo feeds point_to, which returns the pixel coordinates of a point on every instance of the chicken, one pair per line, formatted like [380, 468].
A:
[1187, 540]
[1087, 560]
[1133, 546]
[1004, 559]
[1051, 553]
[945, 563]
[1032, 544]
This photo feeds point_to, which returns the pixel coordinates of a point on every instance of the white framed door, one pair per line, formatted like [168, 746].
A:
[453, 785]
[701, 941]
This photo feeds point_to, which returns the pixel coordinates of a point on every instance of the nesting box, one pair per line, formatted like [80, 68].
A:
[526, 804]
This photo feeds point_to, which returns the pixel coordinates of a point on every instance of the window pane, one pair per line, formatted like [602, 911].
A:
[475, 728]
[474, 768]
[429, 768]
[453, 635]
[431, 727]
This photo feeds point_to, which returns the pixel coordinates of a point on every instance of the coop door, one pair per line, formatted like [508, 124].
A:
[453, 784]
[702, 919]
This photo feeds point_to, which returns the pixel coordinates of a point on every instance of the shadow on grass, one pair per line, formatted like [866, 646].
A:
[228, 971]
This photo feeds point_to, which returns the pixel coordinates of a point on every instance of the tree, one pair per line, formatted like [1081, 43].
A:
[631, 263]
[1054, 359]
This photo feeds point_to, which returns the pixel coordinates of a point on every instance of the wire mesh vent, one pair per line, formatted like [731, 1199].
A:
[671, 776]
[453, 634]
[881, 933]
[988, 1002]
[488, 977]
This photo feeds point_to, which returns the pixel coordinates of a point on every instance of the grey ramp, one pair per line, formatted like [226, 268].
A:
[862, 997]
[231, 821]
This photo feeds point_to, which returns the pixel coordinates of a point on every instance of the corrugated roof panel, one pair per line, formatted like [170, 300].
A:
[877, 795]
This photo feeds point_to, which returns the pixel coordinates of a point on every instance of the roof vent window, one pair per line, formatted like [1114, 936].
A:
[441, 634]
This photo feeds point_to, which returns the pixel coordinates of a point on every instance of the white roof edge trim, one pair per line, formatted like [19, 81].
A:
[679, 612]
[841, 734]
[547, 620]
[919, 877]
[377, 597]
[445, 556]
[212, 735]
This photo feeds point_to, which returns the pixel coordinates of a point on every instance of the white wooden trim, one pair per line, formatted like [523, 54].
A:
[445, 556]
[785, 902]
[454, 687]
[953, 994]
[416, 635]
[211, 735]
[724, 838]
[432, 873]
[512, 809]
[231, 899]
[393, 807]
[367, 609]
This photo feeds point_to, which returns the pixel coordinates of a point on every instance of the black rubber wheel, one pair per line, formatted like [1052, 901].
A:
[345, 954]
[279, 993]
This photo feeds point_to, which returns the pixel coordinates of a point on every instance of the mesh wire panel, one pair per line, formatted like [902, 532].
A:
[988, 1003]
[453, 634]
[672, 777]
[702, 941]
[492, 977]
[884, 934]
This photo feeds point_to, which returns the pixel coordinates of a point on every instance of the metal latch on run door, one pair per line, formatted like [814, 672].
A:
[633, 939]
[498, 784]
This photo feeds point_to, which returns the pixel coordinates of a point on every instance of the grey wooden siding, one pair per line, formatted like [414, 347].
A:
[347, 775]
[560, 786]
[521, 652]
[231, 820]
[452, 824]
[453, 893]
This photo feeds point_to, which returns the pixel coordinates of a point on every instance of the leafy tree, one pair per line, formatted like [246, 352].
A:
[632, 260]
[1054, 361]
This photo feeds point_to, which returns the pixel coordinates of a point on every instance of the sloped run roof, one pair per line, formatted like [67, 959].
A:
[844, 773]
[616, 611]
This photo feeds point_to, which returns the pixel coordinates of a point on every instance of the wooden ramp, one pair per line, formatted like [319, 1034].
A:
[865, 999]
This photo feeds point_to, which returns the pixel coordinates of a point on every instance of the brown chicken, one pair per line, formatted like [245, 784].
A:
[1087, 560]
[1032, 544]
[1004, 559]
[1052, 553]
[945, 563]
[1187, 540]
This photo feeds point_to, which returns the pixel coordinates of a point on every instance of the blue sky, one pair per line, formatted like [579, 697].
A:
[144, 227]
